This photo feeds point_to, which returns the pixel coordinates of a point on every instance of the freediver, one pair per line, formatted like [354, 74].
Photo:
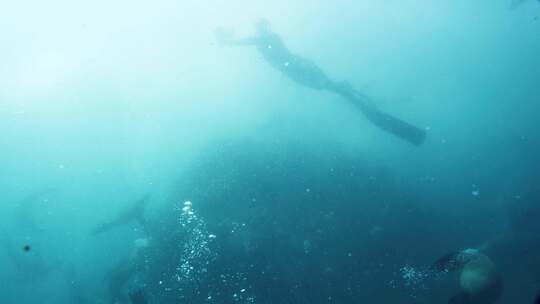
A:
[303, 71]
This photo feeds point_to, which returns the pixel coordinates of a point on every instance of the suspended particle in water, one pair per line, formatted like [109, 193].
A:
[475, 191]
[307, 246]
[26, 248]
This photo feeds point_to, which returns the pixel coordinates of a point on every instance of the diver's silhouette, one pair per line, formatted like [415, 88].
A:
[307, 73]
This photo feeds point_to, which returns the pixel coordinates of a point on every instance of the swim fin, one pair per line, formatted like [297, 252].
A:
[394, 125]
[387, 122]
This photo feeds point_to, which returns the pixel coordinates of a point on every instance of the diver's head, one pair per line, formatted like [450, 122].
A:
[262, 26]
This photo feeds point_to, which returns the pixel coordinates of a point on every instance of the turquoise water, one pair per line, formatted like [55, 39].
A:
[254, 188]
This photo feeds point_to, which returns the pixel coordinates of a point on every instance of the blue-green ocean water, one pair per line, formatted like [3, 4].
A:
[259, 189]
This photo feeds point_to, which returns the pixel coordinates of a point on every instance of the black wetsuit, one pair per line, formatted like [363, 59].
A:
[305, 72]
[299, 69]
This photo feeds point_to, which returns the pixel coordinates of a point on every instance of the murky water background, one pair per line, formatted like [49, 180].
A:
[261, 190]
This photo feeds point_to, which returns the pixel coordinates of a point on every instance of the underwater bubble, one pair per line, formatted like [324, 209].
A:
[414, 277]
[195, 250]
